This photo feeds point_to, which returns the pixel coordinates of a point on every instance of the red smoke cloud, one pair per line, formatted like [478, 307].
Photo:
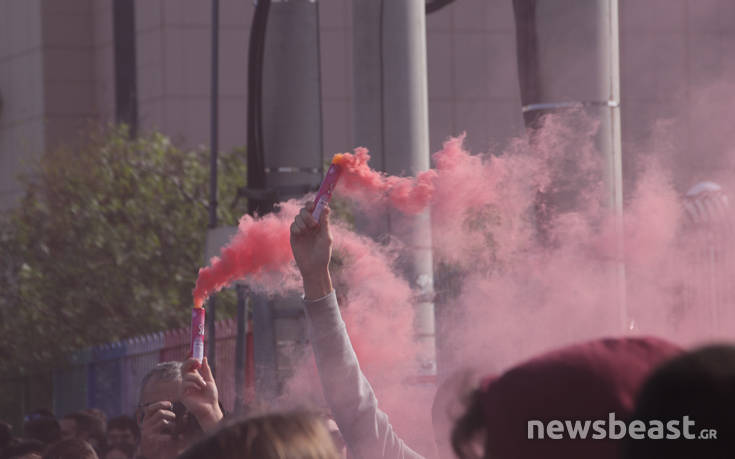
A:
[532, 266]
[260, 245]
[407, 194]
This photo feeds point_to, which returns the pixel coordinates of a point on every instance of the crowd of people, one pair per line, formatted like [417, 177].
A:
[626, 398]
[82, 434]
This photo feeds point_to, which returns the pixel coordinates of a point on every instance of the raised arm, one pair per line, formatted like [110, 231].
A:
[365, 428]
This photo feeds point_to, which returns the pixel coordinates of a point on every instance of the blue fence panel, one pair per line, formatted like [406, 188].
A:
[108, 377]
[70, 384]
[105, 376]
[176, 344]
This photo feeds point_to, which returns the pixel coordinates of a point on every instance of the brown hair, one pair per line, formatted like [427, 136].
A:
[469, 429]
[72, 448]
[294, 435]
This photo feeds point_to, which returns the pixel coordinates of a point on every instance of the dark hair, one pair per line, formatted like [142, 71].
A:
[20, 447]
[448, 405]
[699, 384]
[40, 412]
[90, 427]
[99, 414]
[128, 450]
[43, 426]
[294, 435]
[124, 422]
[87, 422]
[470, 426]
[6, 434]
[71, 448]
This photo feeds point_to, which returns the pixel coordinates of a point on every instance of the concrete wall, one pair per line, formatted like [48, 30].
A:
[57, 72]
[68, 69]
[173, 44]
[473, 83]
[21, 89]
[103, 60]
[46, 80]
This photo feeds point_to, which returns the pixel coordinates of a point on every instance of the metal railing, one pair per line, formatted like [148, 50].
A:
[108, 377]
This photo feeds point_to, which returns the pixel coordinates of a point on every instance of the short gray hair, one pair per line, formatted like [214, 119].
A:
[164, 371]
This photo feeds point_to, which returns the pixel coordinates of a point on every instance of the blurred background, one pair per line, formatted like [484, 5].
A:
[127, 84]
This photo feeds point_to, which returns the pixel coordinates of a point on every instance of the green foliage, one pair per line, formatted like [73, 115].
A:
[106, 243]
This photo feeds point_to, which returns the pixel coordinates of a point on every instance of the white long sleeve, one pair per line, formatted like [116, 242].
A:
[365, 428]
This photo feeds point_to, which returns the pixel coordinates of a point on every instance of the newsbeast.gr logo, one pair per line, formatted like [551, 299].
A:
[616, 429]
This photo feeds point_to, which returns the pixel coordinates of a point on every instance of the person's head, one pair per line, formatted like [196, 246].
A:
[42, 425]
[122, 430]
[23, 448]
[72, 448]
[334, 433]
[700, 385]
[82, 425]
[119, 452]
[447, 407]
[6, 434]
[164, 383]
[508, 415]
[68, 427]
[294, 435]
[100, 415]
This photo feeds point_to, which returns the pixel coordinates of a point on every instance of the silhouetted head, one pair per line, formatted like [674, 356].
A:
[448, 406]
[42, 425]
[701, 386]
[25, 448]
[525, 412]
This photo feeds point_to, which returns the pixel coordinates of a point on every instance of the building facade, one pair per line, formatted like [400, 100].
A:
[57, 75]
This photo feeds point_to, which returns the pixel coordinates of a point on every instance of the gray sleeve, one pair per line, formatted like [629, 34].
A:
[365, 428]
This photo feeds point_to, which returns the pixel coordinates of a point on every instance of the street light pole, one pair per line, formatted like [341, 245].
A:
[569, 58]
[213, 137]
[391, 119]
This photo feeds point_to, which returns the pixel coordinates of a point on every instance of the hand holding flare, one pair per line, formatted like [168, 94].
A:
[263, 244]
[242, 257]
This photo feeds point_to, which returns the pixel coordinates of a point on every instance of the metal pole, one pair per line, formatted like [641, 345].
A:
[391, 119]
[240, 348]
[126, 98]
[291, 128]
[255, 147]
[213, 135]
[264, 349]
[568, 58]
[610, 19]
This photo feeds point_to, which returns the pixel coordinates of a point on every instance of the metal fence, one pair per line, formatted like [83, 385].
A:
[108, 377]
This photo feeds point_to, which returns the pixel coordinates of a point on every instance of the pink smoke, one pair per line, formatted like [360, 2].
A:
[260, 248]
[530, 272]
[407, 194]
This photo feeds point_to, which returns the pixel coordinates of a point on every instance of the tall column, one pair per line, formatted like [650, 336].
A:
[391, 119]
[569, 58]
[288, 156]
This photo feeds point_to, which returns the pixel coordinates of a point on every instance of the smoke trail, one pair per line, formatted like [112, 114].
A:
[529, 248]
[260, 247]
[408, 194]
